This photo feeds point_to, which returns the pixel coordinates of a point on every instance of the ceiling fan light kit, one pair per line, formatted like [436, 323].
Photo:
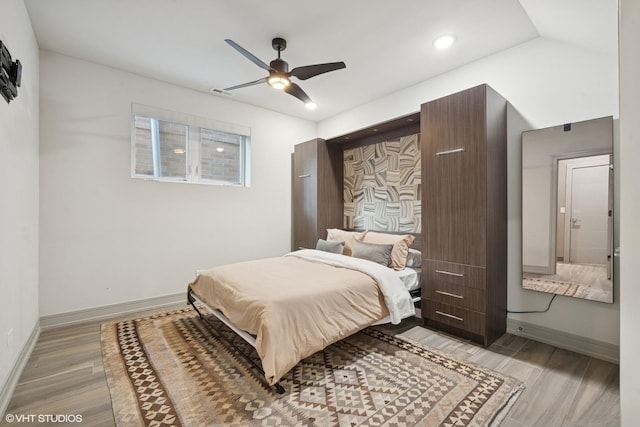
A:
[279, 75]
[278, 81]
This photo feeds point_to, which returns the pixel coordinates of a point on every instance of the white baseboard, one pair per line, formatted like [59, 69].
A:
[110, 311]
[587, 346]
[6, 392]
[98, 313]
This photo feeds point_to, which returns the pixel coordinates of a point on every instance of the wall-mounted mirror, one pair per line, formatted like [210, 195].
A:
[567, 209]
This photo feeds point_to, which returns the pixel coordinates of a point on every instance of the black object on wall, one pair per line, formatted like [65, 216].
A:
[10, 74]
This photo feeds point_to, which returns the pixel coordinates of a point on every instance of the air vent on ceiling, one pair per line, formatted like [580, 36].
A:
[220, 92]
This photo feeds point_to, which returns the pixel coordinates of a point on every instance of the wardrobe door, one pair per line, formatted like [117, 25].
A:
[317, 191]
[305, 195]
[464, 213]
[453, 173]
[330, 188]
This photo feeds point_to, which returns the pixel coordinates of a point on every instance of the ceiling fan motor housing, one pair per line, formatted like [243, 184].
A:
[279, 65]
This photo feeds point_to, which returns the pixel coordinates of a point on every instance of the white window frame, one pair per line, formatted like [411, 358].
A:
[193, 174]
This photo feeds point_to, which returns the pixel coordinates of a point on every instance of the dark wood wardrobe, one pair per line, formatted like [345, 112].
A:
[464, 205]
[316, 196]
[464, 214]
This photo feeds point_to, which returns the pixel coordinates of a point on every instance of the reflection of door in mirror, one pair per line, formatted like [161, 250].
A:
[567, 202]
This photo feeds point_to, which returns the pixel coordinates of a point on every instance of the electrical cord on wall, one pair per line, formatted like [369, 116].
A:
[536, 311]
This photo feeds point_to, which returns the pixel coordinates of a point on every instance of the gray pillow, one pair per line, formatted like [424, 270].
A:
[373, 252]
[330, 246]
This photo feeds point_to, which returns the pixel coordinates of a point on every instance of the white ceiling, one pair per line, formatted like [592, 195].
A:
[386, 45]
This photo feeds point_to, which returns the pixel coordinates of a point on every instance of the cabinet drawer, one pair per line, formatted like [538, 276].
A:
[461, 318]
[447, 273]
[458, 295]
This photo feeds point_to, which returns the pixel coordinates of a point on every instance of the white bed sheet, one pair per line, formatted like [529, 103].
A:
[410, 278]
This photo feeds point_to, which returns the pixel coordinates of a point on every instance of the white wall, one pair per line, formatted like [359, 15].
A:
[18, 194]
[630, 211]
[548, 83]
[107, 238]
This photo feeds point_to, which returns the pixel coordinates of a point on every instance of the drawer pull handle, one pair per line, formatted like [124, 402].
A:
[449, 315]
[304, 176]
[457, 150]
[449, 294]
[449, 273]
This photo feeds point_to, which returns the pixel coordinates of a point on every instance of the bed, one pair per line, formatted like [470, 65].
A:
[292, 306]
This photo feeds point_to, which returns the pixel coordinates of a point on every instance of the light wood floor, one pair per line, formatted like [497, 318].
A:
[65, 375]
[591, 280]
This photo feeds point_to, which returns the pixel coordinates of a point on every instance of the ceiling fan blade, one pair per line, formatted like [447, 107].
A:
[309, 71]
[255, 82]
[250, 56]
[295, 90]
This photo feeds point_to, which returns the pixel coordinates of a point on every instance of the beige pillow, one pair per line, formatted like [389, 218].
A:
[348, 237]
[400, 242]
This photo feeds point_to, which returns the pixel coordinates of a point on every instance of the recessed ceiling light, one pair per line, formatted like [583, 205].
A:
[310, 105]
[444, 42]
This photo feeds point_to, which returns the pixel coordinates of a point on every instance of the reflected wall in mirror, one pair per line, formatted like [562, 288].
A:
[567, 209]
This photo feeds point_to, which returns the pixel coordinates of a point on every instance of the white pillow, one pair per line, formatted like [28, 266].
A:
[414, 259]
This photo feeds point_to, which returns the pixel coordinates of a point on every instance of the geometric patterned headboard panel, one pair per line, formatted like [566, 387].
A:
[382, 186]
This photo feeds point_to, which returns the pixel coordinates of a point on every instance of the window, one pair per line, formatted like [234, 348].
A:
[175, 147]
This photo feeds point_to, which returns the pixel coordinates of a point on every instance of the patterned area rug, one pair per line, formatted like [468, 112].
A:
[171, 369]
[530, 281]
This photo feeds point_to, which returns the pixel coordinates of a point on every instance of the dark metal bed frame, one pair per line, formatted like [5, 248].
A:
[250, 339]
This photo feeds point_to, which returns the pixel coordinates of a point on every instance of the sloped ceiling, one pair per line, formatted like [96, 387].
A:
[386, 45]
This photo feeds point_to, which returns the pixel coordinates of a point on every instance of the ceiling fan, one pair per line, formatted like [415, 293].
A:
[279, 75]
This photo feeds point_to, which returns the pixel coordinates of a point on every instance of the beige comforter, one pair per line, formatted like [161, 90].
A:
[296, 306]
